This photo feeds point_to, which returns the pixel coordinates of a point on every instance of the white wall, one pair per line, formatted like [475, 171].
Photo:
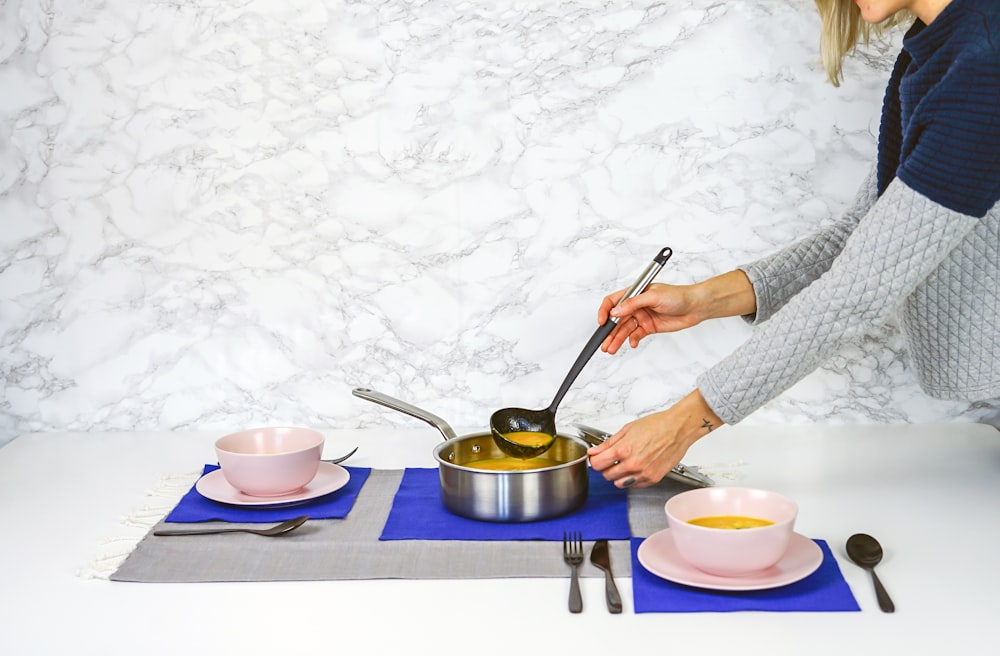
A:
[230, 214]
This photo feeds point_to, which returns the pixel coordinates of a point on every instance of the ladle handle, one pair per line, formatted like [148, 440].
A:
[646, 277]
[602, 332]
[581, 361]
[406, 408]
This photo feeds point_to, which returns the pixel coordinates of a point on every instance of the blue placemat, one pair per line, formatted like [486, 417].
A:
[195, 508]
[825, 590]
[419, 514]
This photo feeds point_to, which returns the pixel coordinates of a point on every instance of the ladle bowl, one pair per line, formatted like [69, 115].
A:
[523, 433]
[516, 431]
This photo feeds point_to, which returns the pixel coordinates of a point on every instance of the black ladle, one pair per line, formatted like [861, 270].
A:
[507, 421]
[866, 553]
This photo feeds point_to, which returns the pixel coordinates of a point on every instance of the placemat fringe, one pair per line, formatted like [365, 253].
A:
[159, 500]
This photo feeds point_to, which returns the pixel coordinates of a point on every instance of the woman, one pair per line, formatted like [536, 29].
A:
[921, 241]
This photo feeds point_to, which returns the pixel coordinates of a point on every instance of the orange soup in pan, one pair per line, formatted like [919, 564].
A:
[512, 464]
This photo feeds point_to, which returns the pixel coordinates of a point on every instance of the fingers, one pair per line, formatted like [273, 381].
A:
[609, 302]
[637, 456]
[623, 475]
[633, 305]
[610, 458]
[636, 333]
[634, 319]
[604, 455]
[628, 329]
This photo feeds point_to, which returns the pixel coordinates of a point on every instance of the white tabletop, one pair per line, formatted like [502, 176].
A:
[927, 492]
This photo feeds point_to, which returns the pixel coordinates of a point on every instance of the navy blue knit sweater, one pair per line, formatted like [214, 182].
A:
[940, 131]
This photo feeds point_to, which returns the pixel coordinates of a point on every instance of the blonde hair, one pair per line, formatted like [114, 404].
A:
[843, 29]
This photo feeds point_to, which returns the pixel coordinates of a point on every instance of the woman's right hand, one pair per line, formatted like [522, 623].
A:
[659, 309]
[668, 308]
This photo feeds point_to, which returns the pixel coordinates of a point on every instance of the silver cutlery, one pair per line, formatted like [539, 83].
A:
[278, 529]
[601, 558]
[573, 555]
[337, 461]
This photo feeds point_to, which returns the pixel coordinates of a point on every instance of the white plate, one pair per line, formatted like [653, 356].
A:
[659, 555]
[329, 478]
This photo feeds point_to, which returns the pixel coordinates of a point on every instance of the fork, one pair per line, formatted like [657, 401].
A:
[337, 461]
[573, 555]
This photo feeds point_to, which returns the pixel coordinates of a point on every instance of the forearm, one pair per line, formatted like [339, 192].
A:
[726, 295]
[694, 418]
[900, 242]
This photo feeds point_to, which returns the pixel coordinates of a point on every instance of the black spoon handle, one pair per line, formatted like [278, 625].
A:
[884, 602]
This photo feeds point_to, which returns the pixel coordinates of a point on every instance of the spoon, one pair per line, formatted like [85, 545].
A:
[523, 433]
[274, 531]
[866, 552]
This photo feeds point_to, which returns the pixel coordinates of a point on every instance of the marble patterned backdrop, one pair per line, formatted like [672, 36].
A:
[229, 213]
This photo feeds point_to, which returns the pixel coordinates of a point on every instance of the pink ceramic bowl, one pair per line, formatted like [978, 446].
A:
[270, 462]
[731, 552]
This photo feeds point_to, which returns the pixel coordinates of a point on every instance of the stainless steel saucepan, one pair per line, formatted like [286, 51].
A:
[500, 495]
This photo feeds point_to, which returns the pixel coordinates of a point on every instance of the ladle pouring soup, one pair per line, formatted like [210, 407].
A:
[523, 433]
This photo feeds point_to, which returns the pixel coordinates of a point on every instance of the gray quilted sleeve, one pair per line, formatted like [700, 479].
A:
[897, 244]
[778, 277]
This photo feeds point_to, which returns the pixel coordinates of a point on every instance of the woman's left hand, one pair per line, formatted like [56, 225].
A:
[645, 450]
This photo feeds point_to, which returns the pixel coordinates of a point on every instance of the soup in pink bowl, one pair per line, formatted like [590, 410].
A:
[735, 531]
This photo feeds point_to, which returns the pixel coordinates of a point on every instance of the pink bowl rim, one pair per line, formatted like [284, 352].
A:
[776, 524]
[321, 440]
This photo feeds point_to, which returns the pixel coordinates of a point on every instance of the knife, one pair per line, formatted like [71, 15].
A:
[600, 557]
[681, 473]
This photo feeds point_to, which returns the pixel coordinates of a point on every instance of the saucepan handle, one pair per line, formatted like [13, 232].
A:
[406, 408]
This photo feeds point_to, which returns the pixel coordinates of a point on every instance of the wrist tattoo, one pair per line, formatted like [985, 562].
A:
[707, 425]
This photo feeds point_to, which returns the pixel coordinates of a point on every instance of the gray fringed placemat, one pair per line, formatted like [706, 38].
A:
[350, 548]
